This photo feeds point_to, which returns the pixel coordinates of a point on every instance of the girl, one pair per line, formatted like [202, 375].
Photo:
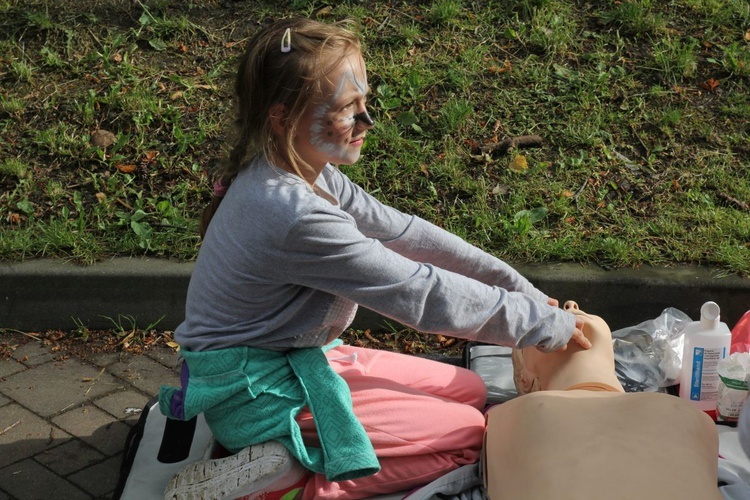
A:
[291, 250]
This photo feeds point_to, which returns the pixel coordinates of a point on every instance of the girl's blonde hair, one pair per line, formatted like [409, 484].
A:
[268, 76]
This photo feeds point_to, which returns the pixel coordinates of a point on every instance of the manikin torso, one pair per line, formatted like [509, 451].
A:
[596, 442]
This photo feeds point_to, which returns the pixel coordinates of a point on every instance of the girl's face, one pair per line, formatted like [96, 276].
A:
[333, 128]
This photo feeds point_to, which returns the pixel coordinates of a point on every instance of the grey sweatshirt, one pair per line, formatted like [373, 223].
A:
[282, 266]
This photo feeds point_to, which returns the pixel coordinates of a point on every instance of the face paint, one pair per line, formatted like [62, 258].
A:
[330, 132]
[364, 117]
[333, 129]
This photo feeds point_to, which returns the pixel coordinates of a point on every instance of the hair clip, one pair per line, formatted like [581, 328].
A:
[286, 41]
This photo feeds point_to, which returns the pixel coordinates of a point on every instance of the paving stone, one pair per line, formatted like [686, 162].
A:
[29, 480]
[10, 366]
[55, 386]
[3, 400]
[145, 374]
[103, 358]
[95, 427]
[25, 434]
[34, 353]
[125, 405]
[166, 356]
[69, 457]
[99, 479]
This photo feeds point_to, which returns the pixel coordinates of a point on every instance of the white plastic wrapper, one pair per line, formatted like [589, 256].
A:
[734, 371]
[648, 356]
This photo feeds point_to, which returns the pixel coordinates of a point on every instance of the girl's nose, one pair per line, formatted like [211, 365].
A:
[364, 118]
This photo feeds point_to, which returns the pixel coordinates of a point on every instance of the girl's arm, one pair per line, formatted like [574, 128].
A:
[422, 241]
[325, 250]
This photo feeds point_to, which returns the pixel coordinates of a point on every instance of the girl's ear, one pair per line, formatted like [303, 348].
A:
[277, 114]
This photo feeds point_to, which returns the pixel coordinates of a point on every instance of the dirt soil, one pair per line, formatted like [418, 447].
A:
[84, 344]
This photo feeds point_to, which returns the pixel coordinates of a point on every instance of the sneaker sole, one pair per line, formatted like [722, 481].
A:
[254, 469]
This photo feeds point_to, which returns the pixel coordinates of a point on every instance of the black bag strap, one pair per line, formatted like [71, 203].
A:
[132, 441]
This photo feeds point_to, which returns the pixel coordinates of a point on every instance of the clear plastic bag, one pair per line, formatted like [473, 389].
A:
[648, 356]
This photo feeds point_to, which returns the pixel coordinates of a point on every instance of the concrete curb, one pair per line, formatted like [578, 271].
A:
[51, 294]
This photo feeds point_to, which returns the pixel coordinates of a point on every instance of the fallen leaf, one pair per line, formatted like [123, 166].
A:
[710, 84]
[176, 95]
[747, 35]
[126, 169]
[567, 194]
[101, 197]
[183, 48]
[103, 138]
[150, 156]
[424, 170]
[117, 57]
[518, 164]
[500, 189]
[324, 12]
[501, 69]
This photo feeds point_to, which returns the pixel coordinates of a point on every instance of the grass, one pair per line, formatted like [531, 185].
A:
[643, 107]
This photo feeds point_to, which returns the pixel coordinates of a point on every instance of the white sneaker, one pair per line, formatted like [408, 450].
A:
[254, 472]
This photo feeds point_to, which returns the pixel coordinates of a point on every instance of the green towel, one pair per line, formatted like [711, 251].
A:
[251, 395]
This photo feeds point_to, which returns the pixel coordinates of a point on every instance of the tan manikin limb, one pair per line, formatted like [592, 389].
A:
[597, 442]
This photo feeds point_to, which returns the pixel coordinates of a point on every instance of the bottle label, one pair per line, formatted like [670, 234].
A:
[704, 377]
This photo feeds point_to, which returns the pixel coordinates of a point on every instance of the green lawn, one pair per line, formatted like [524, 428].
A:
[642, 106]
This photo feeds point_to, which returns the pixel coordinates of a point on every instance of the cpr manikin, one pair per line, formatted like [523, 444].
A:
[575, 434]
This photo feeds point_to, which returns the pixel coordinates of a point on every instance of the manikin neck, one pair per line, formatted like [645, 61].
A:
[558, 371]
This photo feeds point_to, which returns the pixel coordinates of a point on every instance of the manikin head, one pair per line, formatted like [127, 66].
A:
[534, 370]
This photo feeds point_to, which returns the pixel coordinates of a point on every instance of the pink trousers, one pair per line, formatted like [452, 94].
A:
[423, 418]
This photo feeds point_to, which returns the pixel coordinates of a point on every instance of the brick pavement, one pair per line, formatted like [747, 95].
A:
[64, 420]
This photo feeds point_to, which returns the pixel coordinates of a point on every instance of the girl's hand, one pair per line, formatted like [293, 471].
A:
[553, 302]
[578, 337]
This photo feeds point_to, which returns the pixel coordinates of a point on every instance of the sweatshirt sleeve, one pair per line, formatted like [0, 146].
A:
[325, 250]
[422, 241]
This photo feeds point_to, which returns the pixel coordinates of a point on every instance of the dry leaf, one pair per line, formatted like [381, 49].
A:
[567, 194]
[518, 164]
[501, 69]
[747, 35]
[126, 169]
[150, 156]
[117, 57]
[500, 189]
[176, 95]
[101, 197]
[424, 170]
[103, 138]
[710, 84]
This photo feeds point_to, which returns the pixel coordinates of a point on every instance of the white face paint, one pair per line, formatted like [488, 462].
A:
[329, 129]
[337, 126]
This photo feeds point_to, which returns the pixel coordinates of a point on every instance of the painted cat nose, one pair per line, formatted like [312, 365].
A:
[570, 305]
[365, 118]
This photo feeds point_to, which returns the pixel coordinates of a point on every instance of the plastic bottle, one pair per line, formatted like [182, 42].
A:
[706, 343]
